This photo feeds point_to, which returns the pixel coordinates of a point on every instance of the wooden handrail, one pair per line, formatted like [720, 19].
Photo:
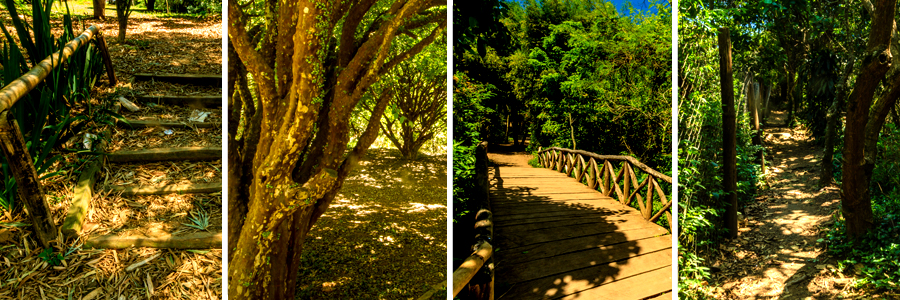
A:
[471, 266]
[13, 146]
[12, 92]
[480, 260]
[630, 159]
[608, 179]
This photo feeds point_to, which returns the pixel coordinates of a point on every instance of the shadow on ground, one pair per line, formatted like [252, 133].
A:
[385, 235]
[555, 238]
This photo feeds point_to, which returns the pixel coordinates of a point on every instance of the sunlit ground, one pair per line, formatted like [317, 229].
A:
[385, 235]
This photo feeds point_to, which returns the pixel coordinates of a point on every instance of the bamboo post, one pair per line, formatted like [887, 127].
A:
[28, 185]
[729, 129]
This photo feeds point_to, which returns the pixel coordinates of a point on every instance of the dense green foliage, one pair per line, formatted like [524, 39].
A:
[45, 114]
[795, 51]
[575, 74]
[565, 73]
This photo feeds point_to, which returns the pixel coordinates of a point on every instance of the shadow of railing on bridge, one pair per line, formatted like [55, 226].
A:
[551, 246]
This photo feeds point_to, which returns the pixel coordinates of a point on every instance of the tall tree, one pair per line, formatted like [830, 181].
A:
[729, 155]
[307, 65]
[418, 109]
[865, 117]
[99, 8]
[123, 11]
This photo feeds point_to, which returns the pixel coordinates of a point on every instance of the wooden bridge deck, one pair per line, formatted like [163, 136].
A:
[557, 239]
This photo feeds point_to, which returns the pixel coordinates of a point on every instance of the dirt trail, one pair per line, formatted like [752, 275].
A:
[776, 254]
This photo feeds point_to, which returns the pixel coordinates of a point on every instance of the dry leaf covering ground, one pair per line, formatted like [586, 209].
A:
[778, 253]
[164, 45]
[385, 235]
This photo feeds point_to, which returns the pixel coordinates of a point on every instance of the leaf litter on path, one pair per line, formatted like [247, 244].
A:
[385, 235]
[777, 253]
[154, 45]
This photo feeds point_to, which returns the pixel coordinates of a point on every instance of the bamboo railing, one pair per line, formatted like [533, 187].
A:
[12, 143]
[622, 184]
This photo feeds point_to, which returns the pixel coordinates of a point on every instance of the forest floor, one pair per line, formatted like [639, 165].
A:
[155, 43]
[385, 235]
[779, 253]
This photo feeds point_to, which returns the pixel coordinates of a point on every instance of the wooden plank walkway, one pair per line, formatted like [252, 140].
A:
[558, 239]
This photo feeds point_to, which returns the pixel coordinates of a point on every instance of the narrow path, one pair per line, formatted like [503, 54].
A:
[776, 254]
[168, 163]
[558, 239]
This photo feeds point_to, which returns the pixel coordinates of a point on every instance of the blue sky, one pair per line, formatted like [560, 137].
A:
[640, 5]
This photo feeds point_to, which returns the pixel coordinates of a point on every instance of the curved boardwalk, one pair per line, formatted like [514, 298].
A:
[557, 239]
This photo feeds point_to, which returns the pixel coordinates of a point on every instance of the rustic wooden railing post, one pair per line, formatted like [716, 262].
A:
[13, 143]
[729, 157]
[107, 60]
[28, 185]
[602, 175]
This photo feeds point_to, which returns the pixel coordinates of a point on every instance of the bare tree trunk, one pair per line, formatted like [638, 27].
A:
[572, 127]
[858, 165]
[729, 128]
[123, 10]
[99, 9]
[833, 118]
[306, 93]
[765, 114]
[755, 98]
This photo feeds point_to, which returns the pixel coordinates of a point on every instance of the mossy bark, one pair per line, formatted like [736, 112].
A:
[291, 102]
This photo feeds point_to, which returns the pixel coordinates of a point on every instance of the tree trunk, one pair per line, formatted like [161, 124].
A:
[858, 165]
[506, 134]
[304, 98]
[765, 114]
[833, 121]
[150, 5]
[755, 97]
[99, 9]
[122, 11]
[791, 97]
[572, 127]
[729, 128]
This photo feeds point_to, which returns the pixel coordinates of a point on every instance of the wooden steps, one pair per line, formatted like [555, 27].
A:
[166, 154]
[136, 124]
[198, 79]
[151, 236]
[188, 101]
[194, 188]
[559, 239]
[198, 240]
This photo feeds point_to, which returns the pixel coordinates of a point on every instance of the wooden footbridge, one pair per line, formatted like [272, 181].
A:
[569, 231]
